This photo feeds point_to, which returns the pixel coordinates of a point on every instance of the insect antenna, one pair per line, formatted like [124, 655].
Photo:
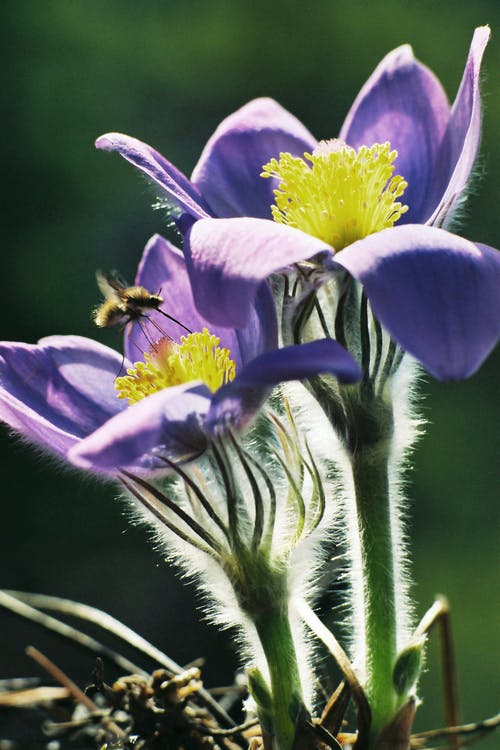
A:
[174, 320]
[170, 317]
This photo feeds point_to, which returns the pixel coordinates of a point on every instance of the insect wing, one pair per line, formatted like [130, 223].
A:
[110, 285]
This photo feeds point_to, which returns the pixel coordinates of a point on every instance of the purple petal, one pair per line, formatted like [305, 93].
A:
[58, 391]
[437, 294]
[179, 190]
[461, 142]
[228, 172]
[260, 334]
[163, 269]
[403, 103]
[228, 259]
[238, 402]
[167, 421]
[300, 362]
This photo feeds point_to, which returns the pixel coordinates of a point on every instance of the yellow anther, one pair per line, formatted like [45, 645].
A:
[341, 195]
[197, 357]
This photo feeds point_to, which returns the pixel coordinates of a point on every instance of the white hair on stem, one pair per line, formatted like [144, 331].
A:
[294, 536]
[408, 427]
[313, 423]
[342, 517]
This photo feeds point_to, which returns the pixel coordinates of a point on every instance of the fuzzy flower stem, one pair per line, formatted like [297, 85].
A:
[275, 635]
[371, 482]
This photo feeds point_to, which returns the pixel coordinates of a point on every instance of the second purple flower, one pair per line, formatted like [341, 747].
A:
[80, 400]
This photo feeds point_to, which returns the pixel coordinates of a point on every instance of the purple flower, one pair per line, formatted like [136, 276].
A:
[61, 393]
[402, 102]
[436, 294]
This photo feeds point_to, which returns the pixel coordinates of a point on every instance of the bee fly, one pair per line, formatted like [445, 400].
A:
[126, 304]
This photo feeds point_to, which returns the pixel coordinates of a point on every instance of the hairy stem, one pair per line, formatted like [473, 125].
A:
[273, 628]
[371, 483]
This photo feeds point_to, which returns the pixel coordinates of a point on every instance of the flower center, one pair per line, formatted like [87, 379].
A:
[342, 195]
[197, 357]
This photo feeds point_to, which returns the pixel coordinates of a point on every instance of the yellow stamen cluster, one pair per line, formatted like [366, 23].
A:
[197, 357]
[342, 195]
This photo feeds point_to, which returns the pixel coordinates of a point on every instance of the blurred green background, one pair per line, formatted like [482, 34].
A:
[168, 72]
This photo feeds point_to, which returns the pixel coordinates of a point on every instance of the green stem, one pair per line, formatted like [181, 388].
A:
[273, 628]
[371, 482]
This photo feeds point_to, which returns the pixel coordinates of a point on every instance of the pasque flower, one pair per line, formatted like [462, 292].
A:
[435, 293]
[65, 393]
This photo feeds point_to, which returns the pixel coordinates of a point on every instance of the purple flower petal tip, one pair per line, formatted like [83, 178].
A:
[460, 143]
[104, 143]
[57, 391]
[404, 103]
[437, 294]
[182, 195]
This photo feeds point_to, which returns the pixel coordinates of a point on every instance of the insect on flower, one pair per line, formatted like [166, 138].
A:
[126, 304]
[409, 273]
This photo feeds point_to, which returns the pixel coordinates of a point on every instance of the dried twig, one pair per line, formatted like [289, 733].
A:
[472, 732]
[32, 696]
[439, 615]
[59, 676]
[338, 653]
[12, 599]
[17, 602]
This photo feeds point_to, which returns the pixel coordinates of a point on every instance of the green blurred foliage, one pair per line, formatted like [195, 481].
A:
[168, 72]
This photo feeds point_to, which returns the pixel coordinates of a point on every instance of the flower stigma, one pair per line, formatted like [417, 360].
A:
[343, 195]
[197, 357]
